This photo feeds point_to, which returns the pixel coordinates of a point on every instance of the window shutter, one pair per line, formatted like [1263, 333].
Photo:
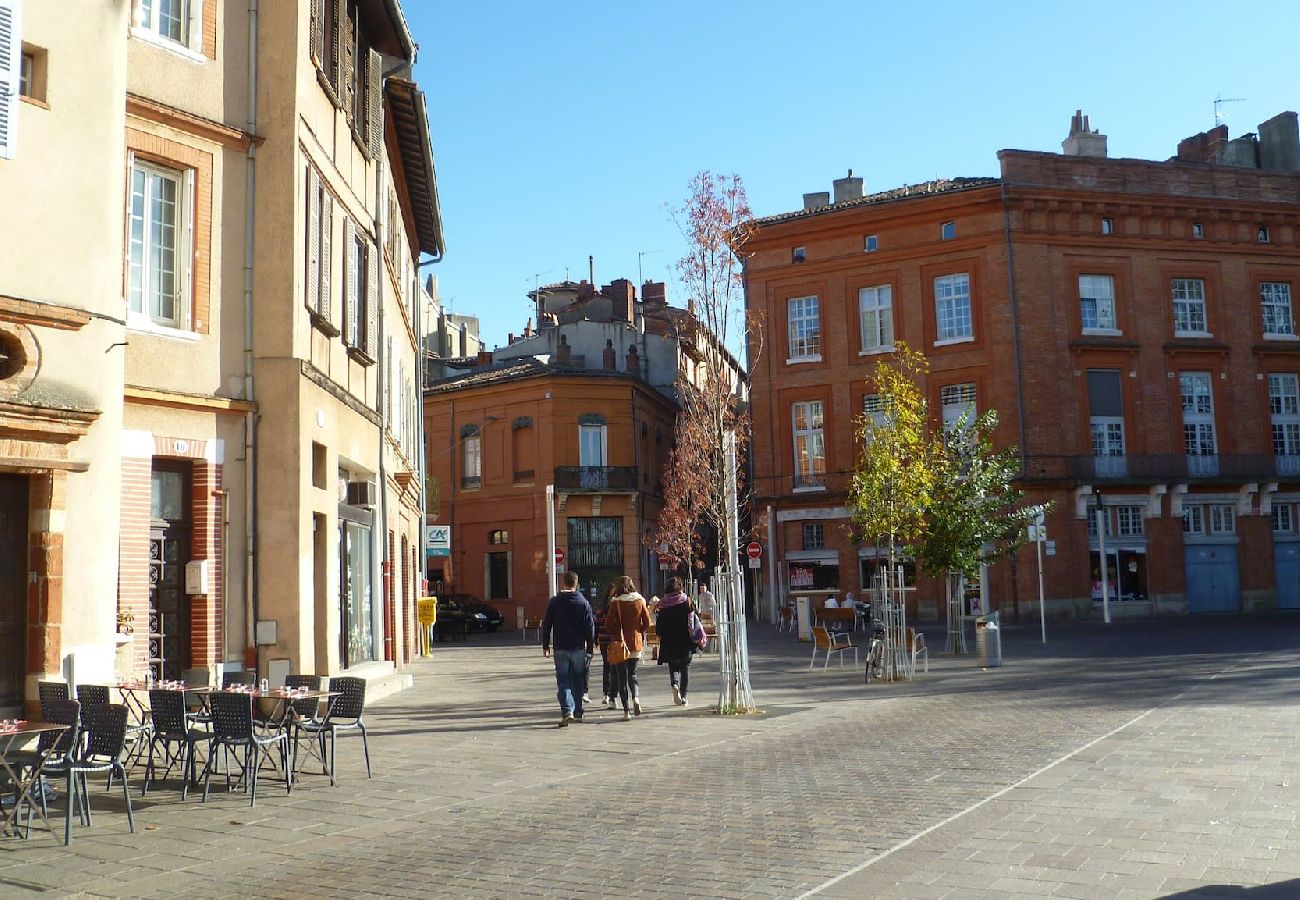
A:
[313, 239]
[349, 281]
[348, 72]
[375, 105]
[194, 27]
[11, 61]
[325, 303]
[372, 301]
[317, 37]
[334, 22]
[185, 287]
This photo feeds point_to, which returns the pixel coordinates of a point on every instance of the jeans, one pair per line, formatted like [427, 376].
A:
[679, 673]
[608, 681]
[625, 676]
[569, 666]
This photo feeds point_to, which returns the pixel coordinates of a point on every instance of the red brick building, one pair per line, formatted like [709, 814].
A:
[1132, 322]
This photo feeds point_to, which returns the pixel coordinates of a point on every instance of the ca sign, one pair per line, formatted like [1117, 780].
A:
[437, 540]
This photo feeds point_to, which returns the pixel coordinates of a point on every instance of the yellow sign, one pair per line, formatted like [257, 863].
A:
[426, 610]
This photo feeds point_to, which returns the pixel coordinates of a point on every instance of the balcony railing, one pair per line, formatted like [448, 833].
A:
[596, 478]
[1154, 468]
[805, 481]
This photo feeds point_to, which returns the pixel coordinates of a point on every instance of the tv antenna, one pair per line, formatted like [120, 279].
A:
[640, 255]
[1219, 101]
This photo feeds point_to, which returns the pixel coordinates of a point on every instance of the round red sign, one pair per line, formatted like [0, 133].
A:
[754, 550]
[559, 556]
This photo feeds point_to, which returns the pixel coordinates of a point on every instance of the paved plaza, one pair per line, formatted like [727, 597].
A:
[1146, 759]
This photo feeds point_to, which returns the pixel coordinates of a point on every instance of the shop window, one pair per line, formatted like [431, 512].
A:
[814, 576]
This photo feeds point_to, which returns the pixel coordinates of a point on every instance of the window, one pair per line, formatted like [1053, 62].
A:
[320, 225]
[159, 244]
[1283, 517]
[809, 445]
[805, 328]
[1189, 306]
[357, 271]
[1284, 407]
[958, 404]
[177, 21]
[876, 317]
[1198, 422]
[798, 255]
[1209, 519]
[25, 67]
[356, 634]
[1107, 226]
[498, 575]
[952, 306]
[360, 295]
[873, 407]
[814, 536]
[1097, 302]
[499, 536]
[1262, 234]
[471, 475]
[1106, 421]
[349, 68]
[1275, 304]
[870, 244]
[591, 446]
[1198, 231]
[948, 231]
[1129, 521]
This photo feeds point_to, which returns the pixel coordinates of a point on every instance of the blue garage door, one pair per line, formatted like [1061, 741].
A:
[1287, 568]
[1212, 585]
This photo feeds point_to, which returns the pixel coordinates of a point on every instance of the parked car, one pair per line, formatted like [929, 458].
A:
[479, 615]
[453, 622]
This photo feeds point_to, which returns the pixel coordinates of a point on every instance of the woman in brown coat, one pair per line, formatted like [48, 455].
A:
[627, 618]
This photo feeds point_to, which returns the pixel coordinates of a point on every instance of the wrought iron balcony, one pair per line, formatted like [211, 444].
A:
[596, 478]
[1155, 468]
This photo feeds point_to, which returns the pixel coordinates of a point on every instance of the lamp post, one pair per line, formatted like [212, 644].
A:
[1101, 548]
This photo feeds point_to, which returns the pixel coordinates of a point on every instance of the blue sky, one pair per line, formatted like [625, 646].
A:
[564, 129]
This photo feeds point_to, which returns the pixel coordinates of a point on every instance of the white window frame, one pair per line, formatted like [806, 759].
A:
[1209, 520]
[1283, 518]
[472, 459]
[953, 319]
[956, 400]
[808, 427]
[1129, 521]
[141, 315]
[871, 243]
[1097, 303]
[873, 407]
[1200, 442]
[817, 532]
[1276, 311]
[146, 25]
[1107, 435]
[948, 231]
[1284, 412]
[876, 319]
[1190, 318]
[803, 320]
[593, 438]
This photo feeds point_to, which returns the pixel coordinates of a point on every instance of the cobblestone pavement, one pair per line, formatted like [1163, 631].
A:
[1140, 760]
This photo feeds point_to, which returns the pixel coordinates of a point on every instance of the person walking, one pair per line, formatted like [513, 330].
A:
[677, 638]
[707, 605]
[628, 622]
[568, 614]
[608, 685]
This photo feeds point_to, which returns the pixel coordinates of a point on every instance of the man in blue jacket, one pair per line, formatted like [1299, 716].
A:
[569, 614]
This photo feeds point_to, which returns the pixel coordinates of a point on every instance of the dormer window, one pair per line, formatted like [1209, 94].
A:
[1198, 230]
[797, 255]
[1107, 226]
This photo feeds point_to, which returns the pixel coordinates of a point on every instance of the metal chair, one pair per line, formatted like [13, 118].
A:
[51, 690]
[138, 733]
[172, 725]
[232, 729]
[824, 641]
[345, 714]
[194, 709]
[105, 745]
[62, 712]
[243, 676]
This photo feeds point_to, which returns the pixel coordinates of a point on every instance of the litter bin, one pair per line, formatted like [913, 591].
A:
[988, 640]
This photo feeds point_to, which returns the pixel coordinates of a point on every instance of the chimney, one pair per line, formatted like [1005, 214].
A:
[654, 294]
[1203, 147]
[1082, 141]
[622, 297]
[1279, 143]
[484, 358]
[821, 198]
[847, 188]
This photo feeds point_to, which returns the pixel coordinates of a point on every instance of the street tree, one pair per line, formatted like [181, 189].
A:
[702, 483]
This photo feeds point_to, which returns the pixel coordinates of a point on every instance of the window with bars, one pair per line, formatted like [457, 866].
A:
[1275, 308]
[814, 536]
[958, 404]
[876, 318]
[952, 307]
[1189, 307]
[1097, 302]
[804, 328]
[809, 444]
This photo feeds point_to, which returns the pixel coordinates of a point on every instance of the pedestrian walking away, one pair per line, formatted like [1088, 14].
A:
[569, 617]
[628, 623]
[675, 626]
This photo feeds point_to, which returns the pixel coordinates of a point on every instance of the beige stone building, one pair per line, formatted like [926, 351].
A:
[261, 189]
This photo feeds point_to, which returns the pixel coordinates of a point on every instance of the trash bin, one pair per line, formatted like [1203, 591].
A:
[988, 640]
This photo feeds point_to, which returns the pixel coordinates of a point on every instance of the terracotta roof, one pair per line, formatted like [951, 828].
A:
[907, 192]
[411, 125]
[514, 370]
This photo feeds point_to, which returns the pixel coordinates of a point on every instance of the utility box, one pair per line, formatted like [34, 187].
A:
[197, 577]
[803, 610]
[988, 640]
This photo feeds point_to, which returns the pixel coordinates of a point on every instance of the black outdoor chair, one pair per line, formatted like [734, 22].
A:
[243, 676]
[232, 729]
[105, 746]
[62, 712]
[194, 708]
[171, 725]
[137, 733]
[345, 714]
[51, 690]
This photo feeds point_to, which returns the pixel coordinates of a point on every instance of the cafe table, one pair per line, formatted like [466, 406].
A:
[284, 714]
[11, 732]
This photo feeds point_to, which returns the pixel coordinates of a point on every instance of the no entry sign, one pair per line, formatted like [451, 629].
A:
[754, 550]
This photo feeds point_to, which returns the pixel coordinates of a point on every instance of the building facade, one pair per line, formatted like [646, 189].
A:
[1131, 321]
[258, 387]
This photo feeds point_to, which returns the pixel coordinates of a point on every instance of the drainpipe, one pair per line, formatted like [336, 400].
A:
[250, 418]
[1015, 321]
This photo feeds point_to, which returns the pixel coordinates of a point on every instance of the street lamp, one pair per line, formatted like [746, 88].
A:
[1101, 553]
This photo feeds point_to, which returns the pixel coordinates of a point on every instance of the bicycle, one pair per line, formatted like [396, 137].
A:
[876, 652]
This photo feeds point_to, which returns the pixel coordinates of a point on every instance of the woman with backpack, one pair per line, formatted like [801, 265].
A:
[678, 638]
[627, 622]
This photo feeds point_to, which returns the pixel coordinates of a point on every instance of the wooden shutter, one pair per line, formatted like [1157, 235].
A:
[185, 312]
[11, 62]
[374, 105]
[347, 73]
[194, 27]
[372, 301]
[312, 298]
[326, 303]
[349, 281]
[317, 37]
[334, 22]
